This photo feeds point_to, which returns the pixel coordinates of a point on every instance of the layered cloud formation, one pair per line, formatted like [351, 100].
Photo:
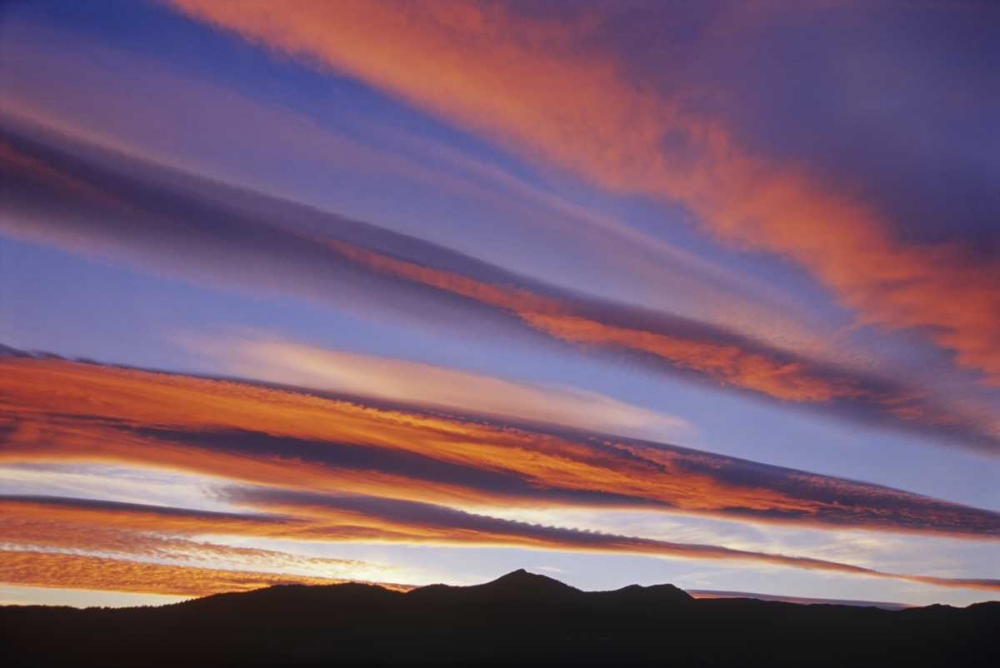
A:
[97, 202]
[555, 88]
[398, 380]
[406, 292]
[306, 516]
[65, 411]
[73, 571]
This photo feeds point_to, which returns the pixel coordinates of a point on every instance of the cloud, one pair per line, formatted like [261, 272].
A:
[243, 432]
[555, 88]
[396, 380]
[23, 512]
[409, 521]
[14, 161]
[124, 100]
[335, 518]
[189, 227]
[72, 571]
[164, 535]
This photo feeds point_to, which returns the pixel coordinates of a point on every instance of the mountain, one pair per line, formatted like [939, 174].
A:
[519, 619]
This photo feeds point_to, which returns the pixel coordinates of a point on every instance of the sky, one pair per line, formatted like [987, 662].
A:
[418, 292]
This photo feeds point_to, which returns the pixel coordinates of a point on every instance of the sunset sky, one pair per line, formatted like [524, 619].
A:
[416, 292]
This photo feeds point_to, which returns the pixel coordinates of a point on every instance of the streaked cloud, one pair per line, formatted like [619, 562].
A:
[184, 226]
[73, 571]
[404, 477]
[399, 239]
[99, 545]
[409, 521]
[71, 72]
[554, 88]
[426, 385]
[253, 434]
[164, 535]
[332, 518]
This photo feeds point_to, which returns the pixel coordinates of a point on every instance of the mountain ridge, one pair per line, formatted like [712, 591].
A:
[520, 618]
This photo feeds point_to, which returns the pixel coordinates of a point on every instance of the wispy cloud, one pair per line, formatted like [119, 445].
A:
[549, 88]
[185, 226]
[155, 549]
[252, 434]
[396, 380]
[70, 72]
[524, 167]
[73, 571]
[334, 518]
[410, 521]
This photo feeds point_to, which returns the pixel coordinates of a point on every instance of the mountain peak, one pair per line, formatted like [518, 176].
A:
[520, 575]
[523, 580]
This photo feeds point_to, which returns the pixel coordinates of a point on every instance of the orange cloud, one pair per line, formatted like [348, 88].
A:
[177, 405]
[427, 385]
[539, 86]
[168, 536]
[396, 521]
[403, 272]
[70, 571]
[62, 411]
[727, 363]
[321, 517]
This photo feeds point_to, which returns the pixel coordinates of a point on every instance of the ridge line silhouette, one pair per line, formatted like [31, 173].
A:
[518, 619]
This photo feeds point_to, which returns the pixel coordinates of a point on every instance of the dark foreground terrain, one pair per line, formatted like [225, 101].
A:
[520, 619]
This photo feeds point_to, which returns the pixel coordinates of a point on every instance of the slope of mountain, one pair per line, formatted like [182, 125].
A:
[519, 619]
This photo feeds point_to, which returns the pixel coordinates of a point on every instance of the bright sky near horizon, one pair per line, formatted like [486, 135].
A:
[414, 292]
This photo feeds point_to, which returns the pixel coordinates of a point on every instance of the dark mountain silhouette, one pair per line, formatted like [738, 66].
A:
[519, 619]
